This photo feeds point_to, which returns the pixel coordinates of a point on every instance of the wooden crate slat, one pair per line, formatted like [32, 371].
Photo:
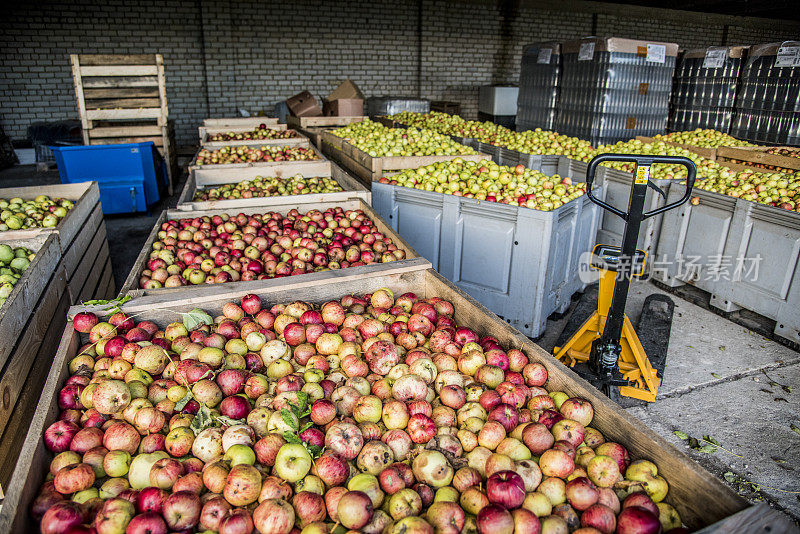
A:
[16, 370]
[119, 70]
[306, 122]
[93, 252]
[122, 92]
[260, 164]
[122, 103]
[126, 131]
[117, 114]
[699, 496]
[27, 291]
[158, 141]
[71, 257]
[97, 284]
[18, 425]
[120, 82]
[759, 155]
[234, 122]
[298, 141]
[117, 59]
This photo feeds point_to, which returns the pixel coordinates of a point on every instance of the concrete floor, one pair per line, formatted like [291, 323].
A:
[721, 379]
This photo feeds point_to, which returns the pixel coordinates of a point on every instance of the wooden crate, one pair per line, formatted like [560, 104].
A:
[31, 320]
[81, 234]
[748, 156]
[203, 130]
[123, 99]
[305, 143]
[206, 177]
[445, 106]
[239, 122]
[370, 169]
[298, 140]
[708, 153]
[131, 285]
[701, 498]
[332, 122]
[312, 127]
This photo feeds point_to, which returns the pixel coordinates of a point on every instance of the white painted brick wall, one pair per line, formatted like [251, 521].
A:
[221, 55]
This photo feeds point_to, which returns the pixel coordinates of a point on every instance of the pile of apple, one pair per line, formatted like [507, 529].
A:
[536, 141]
[270, 186]
[369, 414]
[41, 212]
[772, 189]
[258, 133]
[485, 180]
[230, 248]
[252, 154]
[704, 138]
[379, 141]
[13, 263]
[662, 171]
[784, 151]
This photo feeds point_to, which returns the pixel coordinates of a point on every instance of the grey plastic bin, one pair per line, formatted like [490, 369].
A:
[520, 263]
[746, 255]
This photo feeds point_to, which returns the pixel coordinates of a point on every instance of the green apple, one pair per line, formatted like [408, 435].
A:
[293, 462]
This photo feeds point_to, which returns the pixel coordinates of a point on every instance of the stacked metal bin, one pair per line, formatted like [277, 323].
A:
[538, 86]
[521, 263]
[704, 88]
[768, 101]
[614, 89]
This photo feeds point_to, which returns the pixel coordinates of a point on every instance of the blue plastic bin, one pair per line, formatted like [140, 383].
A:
[116, 168]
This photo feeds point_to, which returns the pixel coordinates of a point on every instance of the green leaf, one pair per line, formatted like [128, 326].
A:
[227, 421]
[715, 375]
[291, 438]
[315, 450]
[302, 401]
[711, 440]
[202, 420]
[730, 477]
[708, 449]
[286, 415]
[693, 443]
[305, 427]
[181, 404]
[795, 428]
[195, 318]
[787, 389]
[681, 435]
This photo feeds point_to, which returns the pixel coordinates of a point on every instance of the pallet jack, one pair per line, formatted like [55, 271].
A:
[605, 349]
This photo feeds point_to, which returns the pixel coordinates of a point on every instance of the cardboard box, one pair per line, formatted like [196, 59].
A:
[343, 107]
[346, 90]
[303, 105]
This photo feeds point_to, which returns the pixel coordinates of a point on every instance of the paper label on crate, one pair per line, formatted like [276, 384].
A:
[642, 174]
[714, 58]
[586, 52]
[656, 53]
[788, 56]
[630, 123]
[544, 56]
[644, 88]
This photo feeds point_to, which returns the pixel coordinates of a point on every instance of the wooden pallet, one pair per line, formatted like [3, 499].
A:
[209, 177]
[751, 156]
[370, 169]
[304, 143]
[30, 322]
[131, 285]
[80, 235]
[123, 99]
[700, 497]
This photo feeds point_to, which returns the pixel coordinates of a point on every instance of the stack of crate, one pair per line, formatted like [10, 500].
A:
[123, 99]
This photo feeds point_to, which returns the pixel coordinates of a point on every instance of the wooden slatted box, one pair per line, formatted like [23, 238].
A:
[123, 99]
[701, 499]
[209, 177]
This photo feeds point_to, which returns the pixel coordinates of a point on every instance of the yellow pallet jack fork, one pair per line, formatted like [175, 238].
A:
[607, 341]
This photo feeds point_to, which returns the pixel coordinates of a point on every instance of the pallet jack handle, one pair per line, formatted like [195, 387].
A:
[641, 178]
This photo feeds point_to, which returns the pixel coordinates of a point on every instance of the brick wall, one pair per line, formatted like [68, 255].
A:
[222, 55]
